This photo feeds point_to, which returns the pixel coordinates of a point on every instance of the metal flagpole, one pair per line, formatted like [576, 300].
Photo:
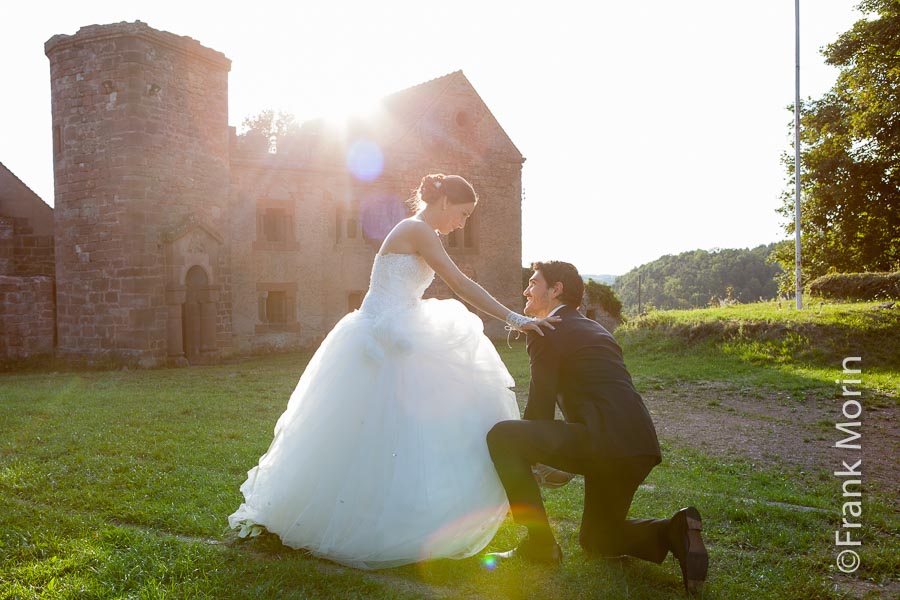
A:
[797, 156]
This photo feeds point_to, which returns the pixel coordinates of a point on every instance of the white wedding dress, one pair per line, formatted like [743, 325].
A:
[380, 459]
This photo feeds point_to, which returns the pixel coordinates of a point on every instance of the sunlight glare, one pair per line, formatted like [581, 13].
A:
[365, 160]
[341, 114]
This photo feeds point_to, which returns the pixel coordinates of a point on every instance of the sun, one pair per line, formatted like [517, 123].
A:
[341, 114]
[359, 128]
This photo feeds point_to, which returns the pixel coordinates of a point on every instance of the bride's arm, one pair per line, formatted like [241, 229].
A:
[429, 247]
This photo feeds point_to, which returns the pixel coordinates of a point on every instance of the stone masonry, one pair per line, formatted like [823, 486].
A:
[26, 318]
[140, 126]
[27, 311]
[176, 242]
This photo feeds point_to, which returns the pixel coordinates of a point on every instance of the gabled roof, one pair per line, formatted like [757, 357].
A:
[8, 179]
[402, 114]
[19, 200]
[412, 104]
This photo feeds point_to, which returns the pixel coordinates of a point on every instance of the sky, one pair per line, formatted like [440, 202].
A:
[648, 128]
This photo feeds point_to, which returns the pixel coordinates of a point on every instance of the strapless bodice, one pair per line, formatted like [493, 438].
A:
[397, 282]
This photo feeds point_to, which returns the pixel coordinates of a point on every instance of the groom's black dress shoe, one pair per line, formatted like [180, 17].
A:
[686, 544]
[547, 555]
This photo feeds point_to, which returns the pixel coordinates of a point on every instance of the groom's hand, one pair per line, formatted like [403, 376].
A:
[536, 324]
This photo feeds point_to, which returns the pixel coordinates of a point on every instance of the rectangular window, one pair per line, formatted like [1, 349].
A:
[338, 224]
[276, 307]
[469, 234]
[457, 239]
[275, 225]
[57, 140]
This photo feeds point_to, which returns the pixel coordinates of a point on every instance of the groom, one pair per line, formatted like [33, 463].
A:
[607, 436]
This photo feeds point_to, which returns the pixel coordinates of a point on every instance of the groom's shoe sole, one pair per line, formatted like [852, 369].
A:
[549, 477]
[688, 548]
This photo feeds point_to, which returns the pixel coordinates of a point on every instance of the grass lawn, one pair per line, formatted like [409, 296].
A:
[767, 344]
[117, 484]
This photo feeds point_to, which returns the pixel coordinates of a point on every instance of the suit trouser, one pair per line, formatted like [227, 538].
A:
[610, 484]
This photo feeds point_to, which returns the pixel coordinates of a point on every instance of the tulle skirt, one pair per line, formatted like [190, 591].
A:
[380, 458]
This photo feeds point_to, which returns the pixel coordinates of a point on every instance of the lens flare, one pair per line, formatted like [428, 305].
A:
[466, 535]
[489, 562]
[379, 212]
[365, 160]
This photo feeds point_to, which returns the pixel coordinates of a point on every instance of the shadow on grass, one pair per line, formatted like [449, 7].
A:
[165, 452]
[578, 577]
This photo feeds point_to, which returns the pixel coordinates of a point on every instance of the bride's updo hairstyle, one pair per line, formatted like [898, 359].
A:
[433, 187]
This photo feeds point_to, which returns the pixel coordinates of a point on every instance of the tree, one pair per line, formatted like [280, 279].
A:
[690, 279]
[850, 157]
[604, 296]
[263, 132]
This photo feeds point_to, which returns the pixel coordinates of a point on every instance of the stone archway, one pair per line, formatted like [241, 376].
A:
[198, 317]
[192, 294]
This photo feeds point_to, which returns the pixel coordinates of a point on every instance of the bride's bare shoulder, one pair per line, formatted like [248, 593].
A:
[412, 222]
[410, 227]
[406, 236]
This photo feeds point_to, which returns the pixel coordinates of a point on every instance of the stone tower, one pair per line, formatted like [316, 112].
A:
[141, 168]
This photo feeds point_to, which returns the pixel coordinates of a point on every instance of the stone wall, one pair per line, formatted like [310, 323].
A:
[335, 221]
[26, 317]
[141, 146]
[7, 246]
[24, 253]
[336, 227]
[599, 314]
[172, 247]
[459, 135]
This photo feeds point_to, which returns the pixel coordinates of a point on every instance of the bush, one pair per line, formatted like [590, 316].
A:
[856, 286]
[604, 296]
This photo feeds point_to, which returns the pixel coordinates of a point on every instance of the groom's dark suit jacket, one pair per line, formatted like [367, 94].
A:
[580, 366]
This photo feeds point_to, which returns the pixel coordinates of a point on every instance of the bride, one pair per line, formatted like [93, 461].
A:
[380, 458]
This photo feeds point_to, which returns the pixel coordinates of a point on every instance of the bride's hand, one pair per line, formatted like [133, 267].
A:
[536, 324]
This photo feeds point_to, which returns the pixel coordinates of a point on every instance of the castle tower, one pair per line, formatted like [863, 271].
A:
[141, 168]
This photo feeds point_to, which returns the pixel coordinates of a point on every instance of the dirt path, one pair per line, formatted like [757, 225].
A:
[778, 431]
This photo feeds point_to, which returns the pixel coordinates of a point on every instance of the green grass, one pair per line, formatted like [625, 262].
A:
[117, 484]
[765, 346]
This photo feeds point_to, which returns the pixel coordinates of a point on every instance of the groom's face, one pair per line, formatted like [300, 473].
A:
[540, 298]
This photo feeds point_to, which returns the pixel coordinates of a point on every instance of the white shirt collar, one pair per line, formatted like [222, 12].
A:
[555, 310]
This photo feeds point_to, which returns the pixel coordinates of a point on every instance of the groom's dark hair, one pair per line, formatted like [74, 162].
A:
[556, 271]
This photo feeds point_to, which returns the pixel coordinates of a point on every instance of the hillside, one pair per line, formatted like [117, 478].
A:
[694, 279]
[774, 333]
[605, 278]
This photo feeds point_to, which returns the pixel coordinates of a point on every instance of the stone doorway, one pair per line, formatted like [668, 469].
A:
[198, 317]
[195, 327]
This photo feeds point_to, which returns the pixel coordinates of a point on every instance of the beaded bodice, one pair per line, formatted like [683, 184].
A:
[397, 282]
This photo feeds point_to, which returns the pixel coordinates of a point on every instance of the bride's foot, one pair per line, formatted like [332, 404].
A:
[249, 529]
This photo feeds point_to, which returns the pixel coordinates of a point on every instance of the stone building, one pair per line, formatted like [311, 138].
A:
[597, 313]
[175, 244]
[27, 315]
